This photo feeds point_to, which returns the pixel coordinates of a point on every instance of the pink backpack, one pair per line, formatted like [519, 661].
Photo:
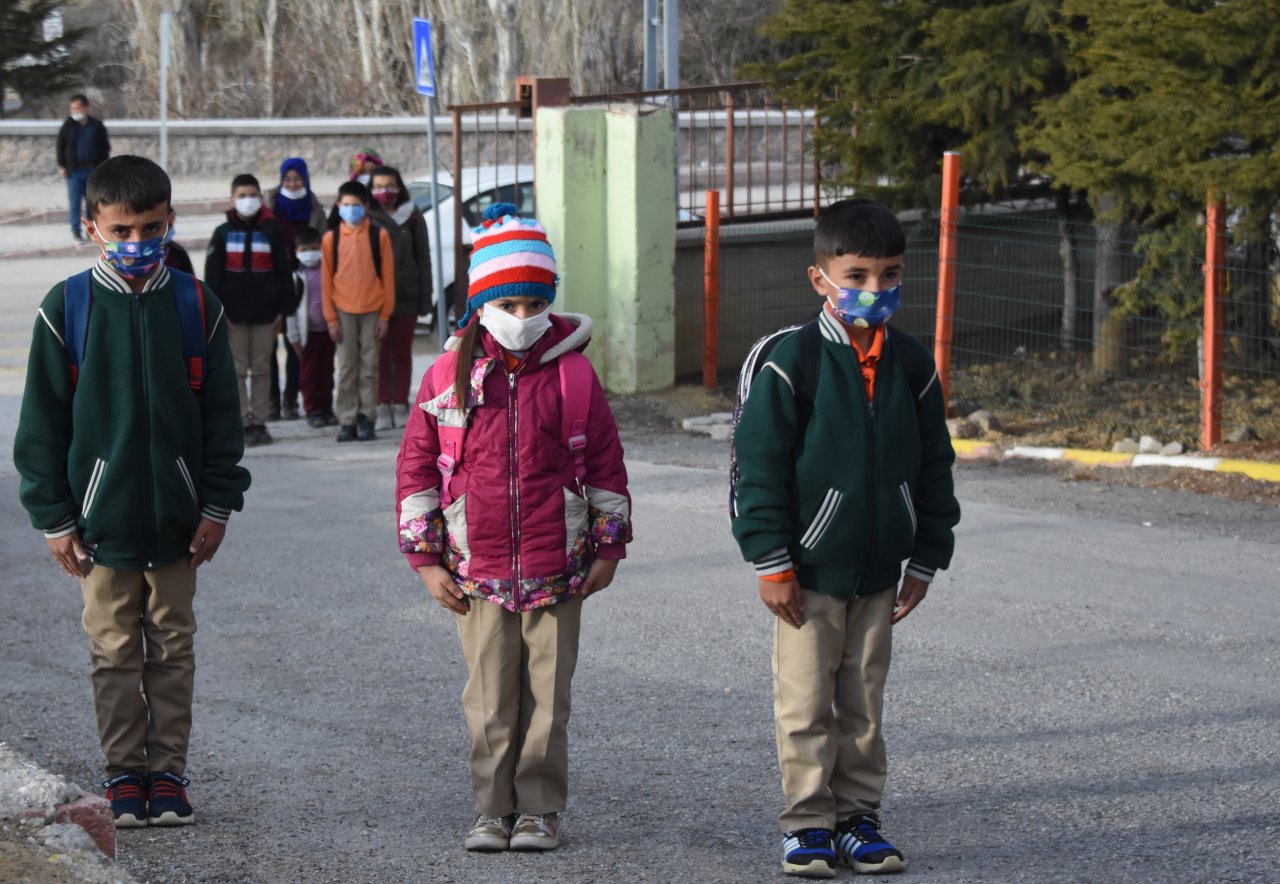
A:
[576, 376]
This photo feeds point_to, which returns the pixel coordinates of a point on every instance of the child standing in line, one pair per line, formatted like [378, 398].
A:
[129, 454]
[394, 212]
[358, 282]
[249, 265]
[509, 530]
[838, 486]
[309, 333]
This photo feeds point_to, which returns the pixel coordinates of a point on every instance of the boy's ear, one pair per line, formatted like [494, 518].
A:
[819, 284]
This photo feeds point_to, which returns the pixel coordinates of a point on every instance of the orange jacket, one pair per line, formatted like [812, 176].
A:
[356, 288]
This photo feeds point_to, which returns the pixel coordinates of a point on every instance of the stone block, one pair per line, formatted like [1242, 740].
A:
[1242, 434]
[93, 814]
[985, 421]
[962, 428]
[1149, 445]
[1172, 449]
[1125, 446]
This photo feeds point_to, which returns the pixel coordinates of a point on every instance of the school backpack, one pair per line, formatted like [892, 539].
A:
[77, 302]
[576, 376]
[375, 244]
[919, 372]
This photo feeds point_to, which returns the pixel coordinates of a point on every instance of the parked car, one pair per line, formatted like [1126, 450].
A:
[478, 189]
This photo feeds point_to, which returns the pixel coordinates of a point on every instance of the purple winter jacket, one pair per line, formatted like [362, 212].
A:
[518, 532]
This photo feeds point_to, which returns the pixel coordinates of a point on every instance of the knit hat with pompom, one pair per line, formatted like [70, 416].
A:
[510, 257]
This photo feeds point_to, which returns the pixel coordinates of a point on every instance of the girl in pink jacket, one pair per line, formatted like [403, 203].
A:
[513, 507]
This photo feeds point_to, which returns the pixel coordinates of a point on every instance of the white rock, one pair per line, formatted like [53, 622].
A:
[720, 432]
[1149, 445]
[697, 424]
[1125, 446]
[961, 428]
[985, 421]
[722, 417]
[1173, 448]
[1242, 434]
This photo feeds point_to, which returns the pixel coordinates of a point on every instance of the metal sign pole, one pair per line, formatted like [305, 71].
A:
[164, 89]
[437, 268]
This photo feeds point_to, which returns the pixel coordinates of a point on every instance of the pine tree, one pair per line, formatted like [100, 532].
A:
[30, 65]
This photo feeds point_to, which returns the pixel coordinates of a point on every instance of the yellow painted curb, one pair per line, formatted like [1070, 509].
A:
[971, 448]
[1103, 458]
[1267, 472]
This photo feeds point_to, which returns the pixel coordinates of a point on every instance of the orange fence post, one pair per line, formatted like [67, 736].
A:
[1215, 260]
[947, 270]
[711, 292]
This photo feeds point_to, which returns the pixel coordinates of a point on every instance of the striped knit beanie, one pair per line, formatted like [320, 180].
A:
[510, 257]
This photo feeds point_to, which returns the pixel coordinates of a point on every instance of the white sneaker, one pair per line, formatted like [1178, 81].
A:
[384, 418]
[535, 832]
[489, 833]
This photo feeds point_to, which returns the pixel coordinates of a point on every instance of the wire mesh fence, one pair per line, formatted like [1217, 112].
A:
[1074, 332]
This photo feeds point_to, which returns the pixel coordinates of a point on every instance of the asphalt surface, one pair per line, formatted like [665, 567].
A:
[1088, 695]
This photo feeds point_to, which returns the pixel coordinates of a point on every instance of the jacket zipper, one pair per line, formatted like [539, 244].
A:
[513, 435]
[872, 457]
[145, 447]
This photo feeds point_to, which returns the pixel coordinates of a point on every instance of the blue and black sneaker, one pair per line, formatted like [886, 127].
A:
[861, 846]
[167, 797]
[128, 796]
[808, 853]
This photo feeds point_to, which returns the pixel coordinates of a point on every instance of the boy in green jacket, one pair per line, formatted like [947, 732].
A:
[842, 477]
[128, 444]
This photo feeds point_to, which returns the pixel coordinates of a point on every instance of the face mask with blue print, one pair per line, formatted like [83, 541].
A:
[865, 309]
[353, 215]
[135, 260]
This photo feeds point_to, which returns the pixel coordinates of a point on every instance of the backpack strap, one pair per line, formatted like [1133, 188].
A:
[810, 367]
[916, 362]
[451, 438]
[189, 298]
[375, 246]
[77, 301]
[576, 376]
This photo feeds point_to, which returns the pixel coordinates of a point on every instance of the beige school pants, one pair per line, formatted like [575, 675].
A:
[141, 629]
[828, 699]
[253, 347]
[516, 702]
[357, 367]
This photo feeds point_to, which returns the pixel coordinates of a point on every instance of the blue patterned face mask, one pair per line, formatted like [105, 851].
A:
[134, 260]
[865, 309]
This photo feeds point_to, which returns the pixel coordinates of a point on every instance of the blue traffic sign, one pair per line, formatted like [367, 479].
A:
[423, 65]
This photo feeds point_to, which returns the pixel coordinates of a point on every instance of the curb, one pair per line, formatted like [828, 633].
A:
[968, 449]
[195, 247]
[49, 216]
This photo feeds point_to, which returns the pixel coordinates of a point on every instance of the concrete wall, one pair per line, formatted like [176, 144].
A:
[606, 194]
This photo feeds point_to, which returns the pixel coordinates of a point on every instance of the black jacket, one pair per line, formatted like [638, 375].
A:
[255, 284]
[67, 142]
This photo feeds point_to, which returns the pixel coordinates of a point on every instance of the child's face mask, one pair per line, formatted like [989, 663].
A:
[353, 215]
[864, 309]
[386, 196]
[133, 259]
[308, 257]
[513, 333]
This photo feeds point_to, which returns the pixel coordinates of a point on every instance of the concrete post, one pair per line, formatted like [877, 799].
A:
[614, 234]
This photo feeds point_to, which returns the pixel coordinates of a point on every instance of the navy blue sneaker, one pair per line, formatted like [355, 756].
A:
[128, 796]
[808, 853]
[167, 797]
[861, 846]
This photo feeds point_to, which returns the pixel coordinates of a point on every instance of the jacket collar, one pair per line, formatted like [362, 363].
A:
[104, 276]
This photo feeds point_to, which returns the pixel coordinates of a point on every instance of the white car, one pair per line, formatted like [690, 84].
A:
[479, 189]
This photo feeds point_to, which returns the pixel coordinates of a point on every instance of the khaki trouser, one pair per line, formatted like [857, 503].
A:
[253, 347]
[141, 629]
[357, 367]
[828, 699]
[516, 702]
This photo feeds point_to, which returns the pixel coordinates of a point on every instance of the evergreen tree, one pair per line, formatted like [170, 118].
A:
[30, 65]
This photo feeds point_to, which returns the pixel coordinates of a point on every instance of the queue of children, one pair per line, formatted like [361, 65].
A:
[843, 473]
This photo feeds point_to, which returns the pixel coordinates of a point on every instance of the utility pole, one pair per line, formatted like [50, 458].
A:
[671, 44]
[164, 89]
[651, 20]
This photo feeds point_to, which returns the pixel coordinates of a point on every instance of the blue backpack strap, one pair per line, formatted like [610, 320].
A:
[189, 298]
[77, 299]
[576, 375]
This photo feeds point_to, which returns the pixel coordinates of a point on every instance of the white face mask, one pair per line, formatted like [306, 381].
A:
[309, 258]
[77, 116]
[248, 206]
[363, 178]
[516, 334]
[293, 194]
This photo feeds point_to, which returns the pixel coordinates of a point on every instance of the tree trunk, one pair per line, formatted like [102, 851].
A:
[1108, 331]
[507, 42]
[1066, 250]
[270, 19]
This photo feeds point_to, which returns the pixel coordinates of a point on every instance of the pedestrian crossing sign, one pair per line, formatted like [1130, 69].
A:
[423, 66]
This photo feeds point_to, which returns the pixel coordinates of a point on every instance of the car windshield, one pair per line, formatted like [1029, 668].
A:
[421, 193]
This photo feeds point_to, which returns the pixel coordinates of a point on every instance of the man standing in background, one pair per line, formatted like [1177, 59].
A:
[82, 145]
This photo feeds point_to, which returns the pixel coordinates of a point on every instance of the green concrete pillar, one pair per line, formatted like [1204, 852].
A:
[606, 195]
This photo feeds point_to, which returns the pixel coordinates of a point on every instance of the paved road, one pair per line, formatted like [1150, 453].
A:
[1083, 697]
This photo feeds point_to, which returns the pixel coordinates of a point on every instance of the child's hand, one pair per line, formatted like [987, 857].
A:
[439, 583]
[69, 553]
[205, 543]
[785, 600]
[335, 333]
[277, 324]
[912, 594]
[599, 575]
[380, 330]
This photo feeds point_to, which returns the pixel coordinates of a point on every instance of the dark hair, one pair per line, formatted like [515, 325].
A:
[354, 188]
[466, 354]
[126, 180]
[391, 172]
[244, 179]
[307, 236]
[79, 99]
[858, 227]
